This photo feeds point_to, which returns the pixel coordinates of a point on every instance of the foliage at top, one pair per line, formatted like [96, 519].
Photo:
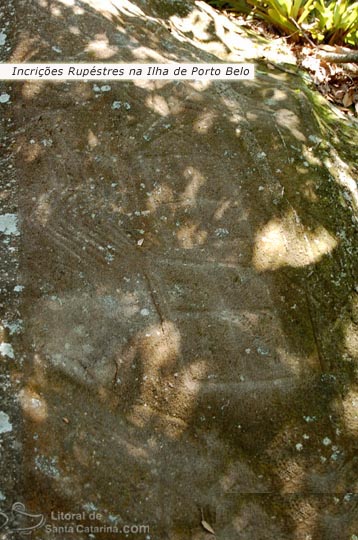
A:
[324, 21]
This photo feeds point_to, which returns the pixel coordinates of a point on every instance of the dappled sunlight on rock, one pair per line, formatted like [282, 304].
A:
[205, 122]
[350, 413]
[309, 191]
[306, 515]
[285, 242]
[292, 473]
[160, 195]
[56, 11]
[351, 337]
[31, 89]
[272, 96]
[33, 405]
[146, 54]
[341, 172]
[92, 139]
[166, 423]
[212, 32]
[190, 236]
[160, 348]
[39, 375]
[74, 30]
[196, 181]
[128, 8]
[100, 48]
[222, 207]
[68, 3]
[149, 85]
[310, 156]
[109, 7]
[196, 27]
[200, 86]
[158, 104]
[32, 150]
[288, 119]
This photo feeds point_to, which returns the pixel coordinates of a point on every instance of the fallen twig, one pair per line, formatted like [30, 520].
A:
[338, 58]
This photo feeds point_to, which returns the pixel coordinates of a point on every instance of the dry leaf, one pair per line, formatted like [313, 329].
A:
[347, 99]
[66, 420]
[207, 527]
[338, 94]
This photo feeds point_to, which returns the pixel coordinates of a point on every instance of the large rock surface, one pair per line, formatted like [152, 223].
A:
[188, 288]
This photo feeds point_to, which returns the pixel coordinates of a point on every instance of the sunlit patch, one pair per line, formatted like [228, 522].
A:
[205, 122]
[31, 151]
[195, 181]
[68, 3]
[158, 104]
[100, 47]
[310, 157]
[253, 117]
[309, 192]
[199, 28]
[197, 23]
[275, 94]
[288, 119]
[74, 30]
[190, 236]
[77, 10]
[160, 195]
[160, 345]
[92, 139]
[305, 525]
[33, 405]
[285, 242]
[200, 86]
[150, 86]
[145, 53]
[105, 7]
[55, 11]
[31, 89]
[350, 412]
[136, 452]
[351, 338]
[220, 211]
[39, 370]
[171, 426]
[341, 172]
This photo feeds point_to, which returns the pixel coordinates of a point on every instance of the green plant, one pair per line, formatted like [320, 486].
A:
[329, 21]
[286, 15]
[336, 22]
